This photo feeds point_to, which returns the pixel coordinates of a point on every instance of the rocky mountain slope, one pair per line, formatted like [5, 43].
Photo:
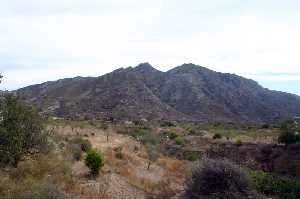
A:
[187, 92]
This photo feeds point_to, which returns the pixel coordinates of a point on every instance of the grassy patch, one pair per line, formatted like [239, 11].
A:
[36, 177]
[180, 141]
[270, 184]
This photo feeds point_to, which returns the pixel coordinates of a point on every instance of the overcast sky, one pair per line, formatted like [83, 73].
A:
[43, 40]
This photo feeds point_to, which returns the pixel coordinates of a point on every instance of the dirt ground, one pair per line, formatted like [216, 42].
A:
[129, 177]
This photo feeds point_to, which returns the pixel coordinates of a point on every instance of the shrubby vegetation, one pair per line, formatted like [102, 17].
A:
[168, 124]
[79, 145]
[172, 135]
[119, 154]
[41, 176]
[22, 131]
[145, 136]
[289, 133]
[179, 141]
[153, 155]
[270, 184]
[218, 179]
[217, 136]
[94, 161]
[238, 142]
[193, 156]
[85, 145]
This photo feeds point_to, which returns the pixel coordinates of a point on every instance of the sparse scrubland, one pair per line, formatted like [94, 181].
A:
[59, 158]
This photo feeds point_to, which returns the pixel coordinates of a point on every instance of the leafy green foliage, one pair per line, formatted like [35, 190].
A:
[179, 141]
[173, 135]
[146, 136]
[289, 133]
[94, 161]
[168, 124]
[217, 136]
[22, 131]
[270, 184]
[192, 156]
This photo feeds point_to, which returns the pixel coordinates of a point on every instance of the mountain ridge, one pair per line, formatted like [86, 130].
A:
[187, 92]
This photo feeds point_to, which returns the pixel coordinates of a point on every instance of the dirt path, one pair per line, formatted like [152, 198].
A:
[128, 177]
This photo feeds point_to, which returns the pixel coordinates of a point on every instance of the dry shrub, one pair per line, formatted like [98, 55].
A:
[41, 166]
[96, 190]
[218, 179]
[38, 177]
[175, 167]
[45, 190]
[164, 190]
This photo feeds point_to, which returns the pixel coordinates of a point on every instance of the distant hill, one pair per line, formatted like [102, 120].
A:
[188, 92]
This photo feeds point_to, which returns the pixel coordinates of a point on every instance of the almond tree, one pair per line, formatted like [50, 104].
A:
[152, 154]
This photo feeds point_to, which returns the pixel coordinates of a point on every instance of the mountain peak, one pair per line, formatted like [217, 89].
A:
[145, 67]
[188, 92]
[189, 68]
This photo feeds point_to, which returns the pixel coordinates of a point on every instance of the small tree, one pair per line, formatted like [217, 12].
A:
[152, 154]
[107, 135]
[94, 161]
[22, 131]
[85, 145]
[289, 133]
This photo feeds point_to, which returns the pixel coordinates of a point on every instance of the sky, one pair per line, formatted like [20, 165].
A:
[42, 40]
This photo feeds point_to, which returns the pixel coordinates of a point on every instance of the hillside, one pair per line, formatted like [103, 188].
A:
[188, 92]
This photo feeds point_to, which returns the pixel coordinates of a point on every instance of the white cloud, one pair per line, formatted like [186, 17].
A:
[63, 38]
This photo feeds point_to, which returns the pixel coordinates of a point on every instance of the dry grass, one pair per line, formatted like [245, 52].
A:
[164, 174]
[38, 175]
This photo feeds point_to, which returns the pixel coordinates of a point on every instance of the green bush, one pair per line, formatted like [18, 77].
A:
[287, 137]
[270, 184]
[94, 161]
[179, 141]
[238, 142]
[22, 131]
[146, 136]
[85, 145]
[195, 131]
[265, 126]
[288, 133]
[173, 135]
[192, 157]
[217, 136]
[168, 124]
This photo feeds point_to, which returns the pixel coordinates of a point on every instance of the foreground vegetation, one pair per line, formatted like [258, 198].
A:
[58, 158]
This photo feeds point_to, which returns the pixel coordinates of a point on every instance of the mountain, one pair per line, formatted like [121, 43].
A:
[188, 92]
